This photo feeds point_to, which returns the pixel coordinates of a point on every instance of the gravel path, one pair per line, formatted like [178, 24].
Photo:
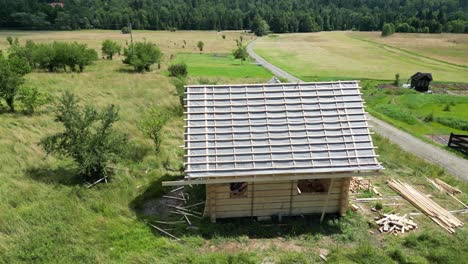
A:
[452, 163]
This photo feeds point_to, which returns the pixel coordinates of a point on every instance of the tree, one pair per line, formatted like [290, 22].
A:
[9, 40]
[200, 45]
[125, 30]
[142, 55]
[260, 26]
[110, 48]
[151, 125]
[240, 52]
[388, 29]
[12, 71]
[178, 70]
[88, 137]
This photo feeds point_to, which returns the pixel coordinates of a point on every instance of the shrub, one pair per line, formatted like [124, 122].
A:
[453, 122]
[397, 80]
[125, 30]
[178, 70]
[240, 53]
[151, 124]
[59, 55]
[110, 48]
[223, 36]
[88, 137]
[31, 99]
[12, 71]
[179, 84]
[260, 26]
[396, 113]
[200, 45]
[446, 108]
[378, 206]
[388, 29]
[429, 118]
[142, 55]
[9, 40]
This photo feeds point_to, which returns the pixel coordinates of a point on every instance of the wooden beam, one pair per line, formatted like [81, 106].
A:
[344, 196]
[266, 178]
[326, 200]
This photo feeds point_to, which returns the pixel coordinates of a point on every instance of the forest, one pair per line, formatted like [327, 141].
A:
[427, 16]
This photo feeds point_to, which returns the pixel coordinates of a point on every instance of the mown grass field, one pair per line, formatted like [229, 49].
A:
[342, 55]
[49, 216]
[220, 64]
[376, 60]
[450, 48]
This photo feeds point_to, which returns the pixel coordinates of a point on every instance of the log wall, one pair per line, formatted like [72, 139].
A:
[274, 198]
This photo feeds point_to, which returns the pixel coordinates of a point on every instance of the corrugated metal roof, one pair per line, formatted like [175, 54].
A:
[255, 129]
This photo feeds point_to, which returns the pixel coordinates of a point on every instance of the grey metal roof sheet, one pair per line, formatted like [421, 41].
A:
[255, 129]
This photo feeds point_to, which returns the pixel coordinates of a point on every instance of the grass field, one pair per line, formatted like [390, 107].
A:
[48, 216]
[452, 48]
[342, 55]
[375, 60]
[220, 64]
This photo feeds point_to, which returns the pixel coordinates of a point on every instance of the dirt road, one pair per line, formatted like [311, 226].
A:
[453, 164]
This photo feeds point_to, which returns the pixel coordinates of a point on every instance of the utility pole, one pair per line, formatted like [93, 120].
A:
[131, 35]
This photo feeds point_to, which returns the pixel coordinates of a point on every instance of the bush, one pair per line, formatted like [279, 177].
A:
[446, 108]
[388, 29]
[179, 84]
[142, 55]
[397, 80]
[88, 137]
[12, 71]
[178, 70]
[152, 123]
[260, 26]
[396, 113]
[31, 99]
[429, 118]
[378, 206]
[110, 48]
[200, 45]
[125, 30]
[59, 55]
[453, 122]
[240, 52]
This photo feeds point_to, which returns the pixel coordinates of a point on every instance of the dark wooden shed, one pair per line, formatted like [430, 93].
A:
[420, 81]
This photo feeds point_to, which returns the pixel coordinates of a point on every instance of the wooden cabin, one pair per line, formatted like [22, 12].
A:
[420, 81]
[277, 149]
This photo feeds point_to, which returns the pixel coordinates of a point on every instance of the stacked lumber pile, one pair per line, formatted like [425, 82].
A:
[358, 184]
[444, 187]
[437, 213]
[394, 224]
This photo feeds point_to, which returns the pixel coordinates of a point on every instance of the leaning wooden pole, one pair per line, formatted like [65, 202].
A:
[326, 200]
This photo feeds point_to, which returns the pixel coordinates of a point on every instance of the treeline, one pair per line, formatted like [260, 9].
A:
[432, 16]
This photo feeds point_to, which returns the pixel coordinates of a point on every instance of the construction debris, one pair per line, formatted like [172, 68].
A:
[165, 232]
[438, 214]
[393, 223]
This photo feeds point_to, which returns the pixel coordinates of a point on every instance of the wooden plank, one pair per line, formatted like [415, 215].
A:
[270, 212]
[325, 205]
[344, 199]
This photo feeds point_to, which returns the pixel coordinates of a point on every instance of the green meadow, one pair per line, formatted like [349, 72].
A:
[220, 65]
[49, 216]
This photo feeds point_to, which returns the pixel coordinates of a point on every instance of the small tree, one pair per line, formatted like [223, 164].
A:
[178, 70]
[9, 40]
[388, 29]
[240, 52]
[142, 55]
[200, 46]
[88, 137]
[31, 99]
[260, 26]
[12, 71]
[397, 80]
[223, 36]
[179, 84]
[151, 125]
[110, 48]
